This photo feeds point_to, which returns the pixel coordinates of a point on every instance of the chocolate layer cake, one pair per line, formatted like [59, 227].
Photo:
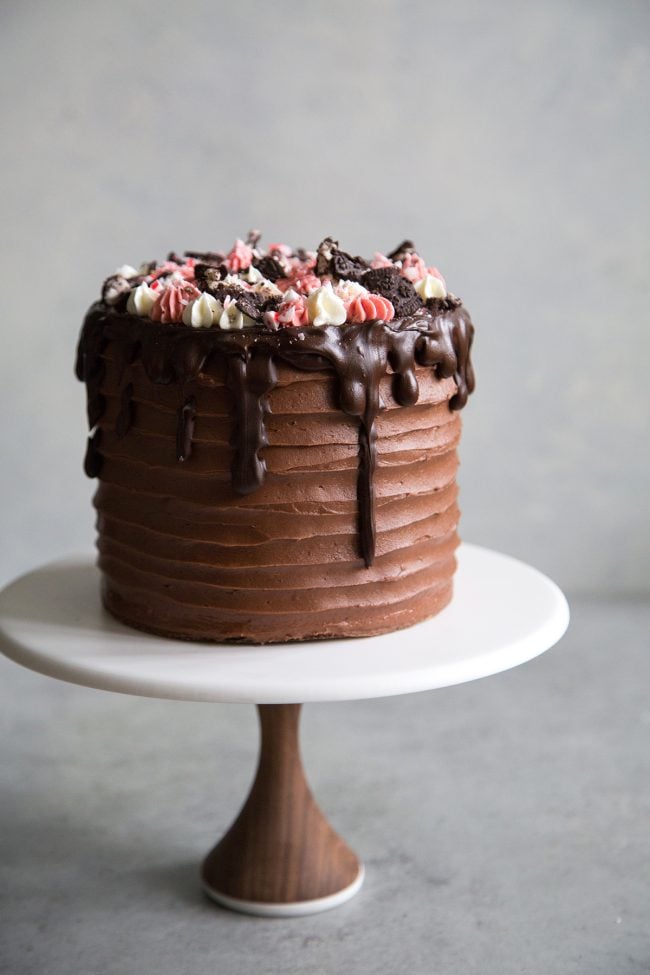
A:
[275, 433]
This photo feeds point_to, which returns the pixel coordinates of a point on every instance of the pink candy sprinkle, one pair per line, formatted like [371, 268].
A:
[170, 303]
[283, 249]
[239, 258]
[380, 260]
[293, 313]
[302, 280]
[413, 268]
[186, 270]
[370, 307]
[166, 268]
[271, 320]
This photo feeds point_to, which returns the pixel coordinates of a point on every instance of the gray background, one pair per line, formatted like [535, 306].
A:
[507, 140]
[503, 823]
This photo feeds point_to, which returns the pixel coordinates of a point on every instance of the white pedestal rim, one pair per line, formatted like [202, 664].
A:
[290, 909]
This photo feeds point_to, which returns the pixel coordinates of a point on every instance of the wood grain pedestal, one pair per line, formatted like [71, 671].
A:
[281, 856]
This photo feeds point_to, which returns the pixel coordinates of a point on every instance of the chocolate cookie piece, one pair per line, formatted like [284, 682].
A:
[267, 296]
[343, 265]
[268, 302]
[248, 302]
[326, 248]
[269, 267]
[388, 281]
[439, 305]
[406, 247]
[208, 275]
[337, 263]
[115, 291]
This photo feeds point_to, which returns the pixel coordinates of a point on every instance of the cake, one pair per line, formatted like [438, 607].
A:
[274, 433]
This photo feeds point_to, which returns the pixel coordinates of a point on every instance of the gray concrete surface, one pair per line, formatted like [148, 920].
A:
[504, 824]
[508, 139]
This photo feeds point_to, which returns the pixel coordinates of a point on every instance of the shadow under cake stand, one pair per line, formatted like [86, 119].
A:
[281, 857]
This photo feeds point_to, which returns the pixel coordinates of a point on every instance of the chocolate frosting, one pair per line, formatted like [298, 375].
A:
[439, 337]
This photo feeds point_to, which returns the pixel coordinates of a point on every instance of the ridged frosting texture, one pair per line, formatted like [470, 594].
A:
[182, 554]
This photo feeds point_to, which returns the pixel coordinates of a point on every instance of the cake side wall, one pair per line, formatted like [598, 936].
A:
[183, 554]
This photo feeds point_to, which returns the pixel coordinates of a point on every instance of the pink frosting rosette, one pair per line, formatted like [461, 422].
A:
[172, 301]
[370, 307]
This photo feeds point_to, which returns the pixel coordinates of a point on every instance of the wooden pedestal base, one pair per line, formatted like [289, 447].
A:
[281, 856]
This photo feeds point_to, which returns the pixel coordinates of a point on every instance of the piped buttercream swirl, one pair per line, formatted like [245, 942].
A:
[324, 307]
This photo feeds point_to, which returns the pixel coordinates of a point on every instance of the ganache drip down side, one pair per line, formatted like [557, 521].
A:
[185, 428]
[358, 355]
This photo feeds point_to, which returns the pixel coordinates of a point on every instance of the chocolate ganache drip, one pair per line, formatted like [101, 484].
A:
[438, 336]
[185, 428]
[250, 375]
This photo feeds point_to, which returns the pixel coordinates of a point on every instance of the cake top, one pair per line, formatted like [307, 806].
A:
[277, 287]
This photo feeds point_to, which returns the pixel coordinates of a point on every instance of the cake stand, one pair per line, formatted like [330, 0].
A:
[281, 857]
